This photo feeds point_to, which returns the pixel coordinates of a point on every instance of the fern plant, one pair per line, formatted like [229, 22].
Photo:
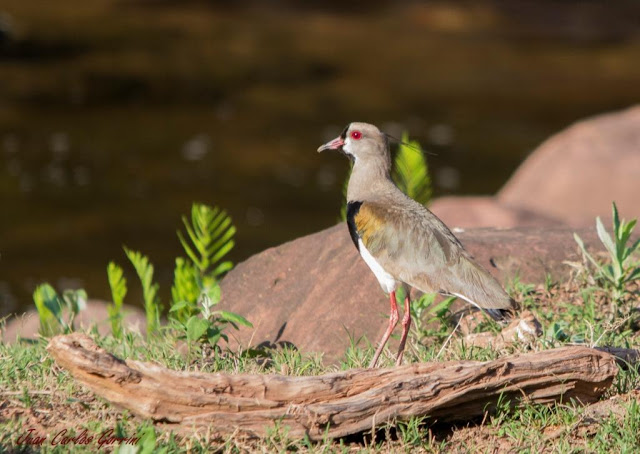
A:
[211, 233]
[185, 290]
[152, 306]
[195, 288]
[118, 286]
[410, 174]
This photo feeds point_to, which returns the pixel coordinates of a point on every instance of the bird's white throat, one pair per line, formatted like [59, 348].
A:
[347, 148]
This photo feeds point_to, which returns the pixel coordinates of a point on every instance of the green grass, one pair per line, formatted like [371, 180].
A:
[35, 392]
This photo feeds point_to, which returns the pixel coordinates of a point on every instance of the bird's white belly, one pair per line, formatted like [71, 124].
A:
[387, 282]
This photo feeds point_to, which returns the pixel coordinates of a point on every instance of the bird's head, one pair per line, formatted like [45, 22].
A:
[360, 141]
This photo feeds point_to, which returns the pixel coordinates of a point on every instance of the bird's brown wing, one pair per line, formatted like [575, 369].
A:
[413, 245]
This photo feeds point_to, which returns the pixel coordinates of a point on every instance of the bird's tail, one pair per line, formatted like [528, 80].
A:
[503, 314]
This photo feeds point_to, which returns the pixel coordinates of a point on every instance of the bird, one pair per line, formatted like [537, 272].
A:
[403, 243]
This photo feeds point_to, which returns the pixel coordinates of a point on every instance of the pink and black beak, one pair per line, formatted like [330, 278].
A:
[335, 144]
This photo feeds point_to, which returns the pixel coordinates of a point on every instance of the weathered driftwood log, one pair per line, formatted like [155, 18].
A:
[335, 404]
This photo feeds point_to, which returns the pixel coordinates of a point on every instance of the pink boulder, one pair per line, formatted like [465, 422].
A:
[316, 292]
[576, 174]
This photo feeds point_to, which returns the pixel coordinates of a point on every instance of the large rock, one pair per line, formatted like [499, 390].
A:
[569, 180]
[576, 174]
[486, 211]
[313, 292]
[316, 291]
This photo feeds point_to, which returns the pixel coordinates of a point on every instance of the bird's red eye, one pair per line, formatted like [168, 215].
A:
[357, 135]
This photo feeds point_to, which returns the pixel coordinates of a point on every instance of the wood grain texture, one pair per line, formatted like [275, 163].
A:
[336, 404]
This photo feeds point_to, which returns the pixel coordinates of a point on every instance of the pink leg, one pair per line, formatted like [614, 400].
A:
[406, 324]
[393, 321]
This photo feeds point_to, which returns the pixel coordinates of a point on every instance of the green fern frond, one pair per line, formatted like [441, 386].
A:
[411, 172]
[144, 269]
[210, 233]
[185, 290]
[208, 239]
[118, 286]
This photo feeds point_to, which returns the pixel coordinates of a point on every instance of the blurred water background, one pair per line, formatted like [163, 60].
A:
[115, 115]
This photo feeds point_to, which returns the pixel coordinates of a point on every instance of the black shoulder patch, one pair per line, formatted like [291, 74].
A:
[352, 211]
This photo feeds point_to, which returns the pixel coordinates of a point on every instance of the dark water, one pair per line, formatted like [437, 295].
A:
[116, 115]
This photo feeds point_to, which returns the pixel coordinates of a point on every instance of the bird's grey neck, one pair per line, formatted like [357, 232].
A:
[367, 178]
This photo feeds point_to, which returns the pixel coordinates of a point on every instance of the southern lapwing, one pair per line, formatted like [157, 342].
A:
[403, 242]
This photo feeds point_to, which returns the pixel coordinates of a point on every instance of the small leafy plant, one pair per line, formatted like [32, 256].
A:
[431, 319]
[194, 293]
[204, 324]
[622, 270]
[195, 288]
[411, 172]
[57, 313]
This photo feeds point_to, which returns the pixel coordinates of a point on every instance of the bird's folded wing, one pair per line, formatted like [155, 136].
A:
[417, 248]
